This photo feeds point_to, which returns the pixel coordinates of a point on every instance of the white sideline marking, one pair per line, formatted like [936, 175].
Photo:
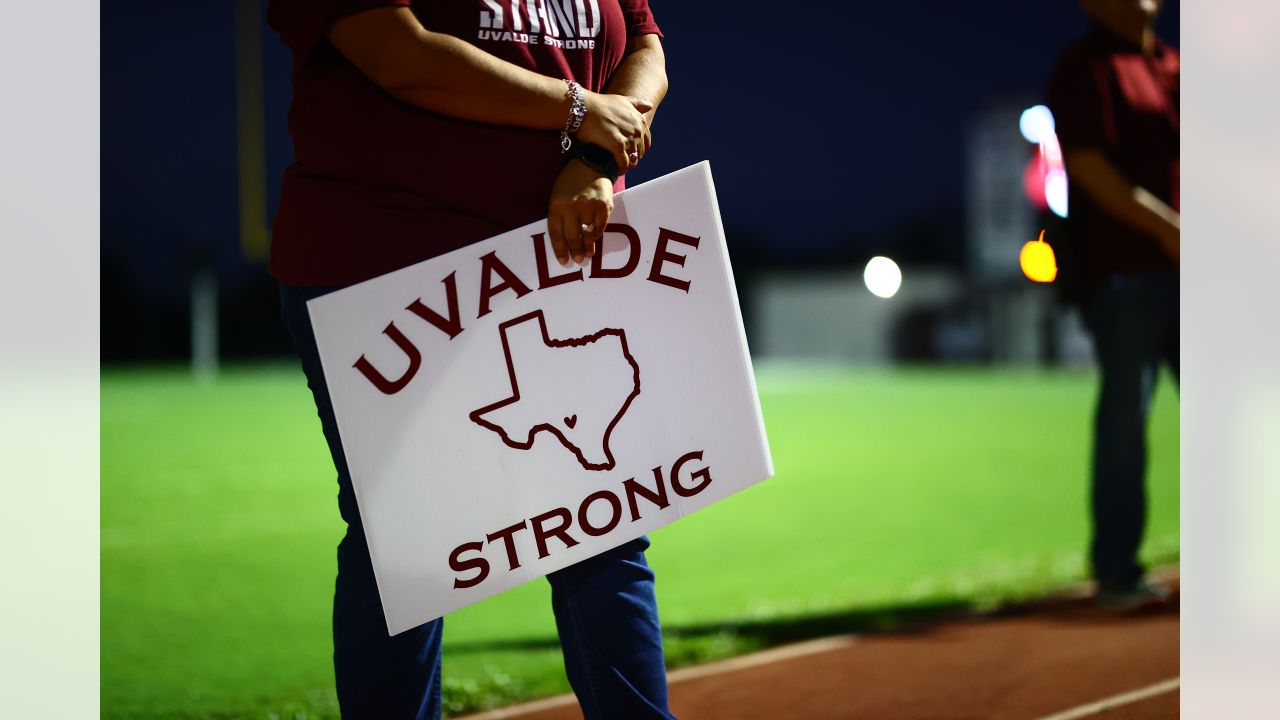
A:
[1115, 701]
[786, 652]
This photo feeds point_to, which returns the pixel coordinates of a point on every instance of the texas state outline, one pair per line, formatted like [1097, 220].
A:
[477, 416]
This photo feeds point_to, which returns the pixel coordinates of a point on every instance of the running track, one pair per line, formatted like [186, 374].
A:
[1058, 659]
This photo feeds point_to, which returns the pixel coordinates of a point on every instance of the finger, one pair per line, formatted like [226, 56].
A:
[601, 220]
[572, 229]
[641, 105]
[589, 230]
[621, 155]
[590, 240]
[598, 213]
[558, 245]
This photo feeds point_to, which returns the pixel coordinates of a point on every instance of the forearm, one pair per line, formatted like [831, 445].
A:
[447, 75]
[643, 73]
[1116, 195]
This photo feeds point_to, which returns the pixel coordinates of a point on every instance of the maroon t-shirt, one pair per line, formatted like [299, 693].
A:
[378, 184]
[1107, 94]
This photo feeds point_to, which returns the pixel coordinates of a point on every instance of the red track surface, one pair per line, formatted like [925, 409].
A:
[1032, 662]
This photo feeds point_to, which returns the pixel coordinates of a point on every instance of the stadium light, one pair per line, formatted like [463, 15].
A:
[1037, 261]
[1036, 124]
[1055, 191]
[1045, 177]
[1033, 180]
[882, 276]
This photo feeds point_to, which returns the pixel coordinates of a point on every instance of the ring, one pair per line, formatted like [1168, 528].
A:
[635, 157]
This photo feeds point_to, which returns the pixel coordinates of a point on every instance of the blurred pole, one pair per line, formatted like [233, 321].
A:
[204, 324]
[250, 135]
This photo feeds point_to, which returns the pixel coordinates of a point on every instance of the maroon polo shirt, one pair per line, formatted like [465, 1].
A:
[1107, 94]
[378, 184]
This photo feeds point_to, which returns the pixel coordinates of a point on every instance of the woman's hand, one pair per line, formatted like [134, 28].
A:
[617, 123]
[581, 202]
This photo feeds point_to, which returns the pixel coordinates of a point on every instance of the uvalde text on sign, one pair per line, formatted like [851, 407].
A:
[504, 417]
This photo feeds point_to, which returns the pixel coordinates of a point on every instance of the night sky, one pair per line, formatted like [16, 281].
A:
[829, 127]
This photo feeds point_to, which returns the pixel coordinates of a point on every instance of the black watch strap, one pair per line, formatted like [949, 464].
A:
[596, 158]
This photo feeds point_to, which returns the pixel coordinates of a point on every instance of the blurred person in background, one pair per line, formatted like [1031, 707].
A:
[421, 127]
[1114, 96]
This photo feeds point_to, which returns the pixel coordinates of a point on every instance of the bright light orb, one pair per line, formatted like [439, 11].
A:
[882, 276]
[1038, 261]
[1033, 181]
[1036, 124]
[1055, 192]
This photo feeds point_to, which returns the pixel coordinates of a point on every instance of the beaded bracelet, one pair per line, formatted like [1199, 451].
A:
[577, 113]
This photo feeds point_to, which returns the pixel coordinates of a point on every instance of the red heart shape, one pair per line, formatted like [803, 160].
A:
[571, 421]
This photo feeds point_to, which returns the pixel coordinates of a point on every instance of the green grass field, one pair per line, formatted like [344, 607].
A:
[896, 492]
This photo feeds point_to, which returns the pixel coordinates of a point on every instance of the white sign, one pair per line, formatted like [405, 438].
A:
[504, 417]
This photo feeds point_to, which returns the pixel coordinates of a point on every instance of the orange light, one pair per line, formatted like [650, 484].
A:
[1038, 262]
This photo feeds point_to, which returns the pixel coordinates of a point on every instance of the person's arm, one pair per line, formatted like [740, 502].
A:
[643, 76]
[444, 74]
[1117, 196]
[582, 198]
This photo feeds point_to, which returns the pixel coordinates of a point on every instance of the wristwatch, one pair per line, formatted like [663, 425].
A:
[596, 158]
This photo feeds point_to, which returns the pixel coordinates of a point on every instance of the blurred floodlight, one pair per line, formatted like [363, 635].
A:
[1055, 191]
[1036, 123]
[1051, 150]
[1038, 262]
[882, 276]
[1033, 180]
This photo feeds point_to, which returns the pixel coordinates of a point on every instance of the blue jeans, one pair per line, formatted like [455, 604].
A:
[1134, 323]
[605, 608]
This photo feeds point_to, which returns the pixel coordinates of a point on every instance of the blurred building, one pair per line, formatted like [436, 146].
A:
[999, 219]
[984, 309]
[1016, 186]
[832, 316]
